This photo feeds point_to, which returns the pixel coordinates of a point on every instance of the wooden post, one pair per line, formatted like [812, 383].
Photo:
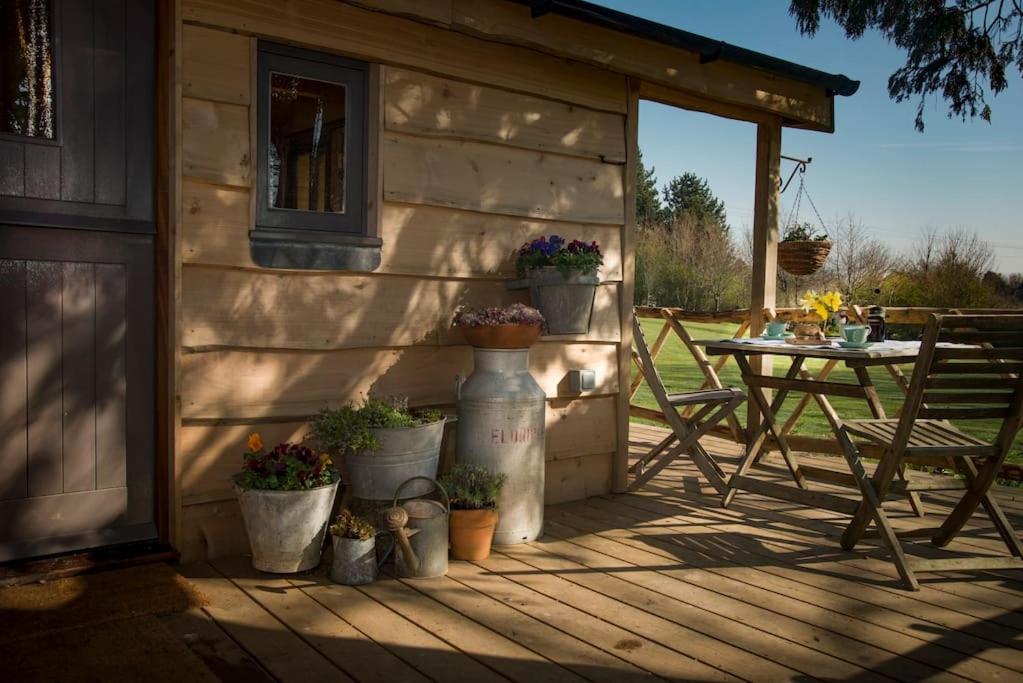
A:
[620, 464]
[766, 212]
[168, 268]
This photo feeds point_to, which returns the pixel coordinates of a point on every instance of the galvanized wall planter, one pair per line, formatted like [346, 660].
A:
[565, 298]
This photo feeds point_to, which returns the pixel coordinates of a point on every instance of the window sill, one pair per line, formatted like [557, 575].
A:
[314, 250]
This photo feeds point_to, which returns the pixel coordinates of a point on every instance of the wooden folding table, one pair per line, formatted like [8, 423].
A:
[797, 379]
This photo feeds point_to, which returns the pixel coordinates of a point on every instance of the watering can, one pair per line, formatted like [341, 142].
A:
[420, 527]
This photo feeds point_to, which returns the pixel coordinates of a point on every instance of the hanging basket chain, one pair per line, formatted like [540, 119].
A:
[794, 211]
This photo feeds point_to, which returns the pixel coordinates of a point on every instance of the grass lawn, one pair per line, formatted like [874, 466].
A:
[679, 372]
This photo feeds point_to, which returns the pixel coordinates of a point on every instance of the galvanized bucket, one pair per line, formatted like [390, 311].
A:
[286, 528]
[428, 533]
[403, 453]
[566, 300]
[355, 560]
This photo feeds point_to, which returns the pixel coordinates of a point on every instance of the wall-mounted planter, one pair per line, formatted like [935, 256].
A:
[565, 298]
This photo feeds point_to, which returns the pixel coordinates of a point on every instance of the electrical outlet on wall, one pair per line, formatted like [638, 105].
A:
[582, 380]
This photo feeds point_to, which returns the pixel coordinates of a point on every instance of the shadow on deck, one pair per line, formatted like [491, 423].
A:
[658, 584]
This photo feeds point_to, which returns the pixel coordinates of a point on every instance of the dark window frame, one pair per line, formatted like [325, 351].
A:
[299, 224]
[56, 61]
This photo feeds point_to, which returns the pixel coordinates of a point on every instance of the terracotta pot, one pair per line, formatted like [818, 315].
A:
[502, 336]
[472, 532]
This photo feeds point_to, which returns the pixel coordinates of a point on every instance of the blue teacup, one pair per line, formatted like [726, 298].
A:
[855, 334]
[776, 328]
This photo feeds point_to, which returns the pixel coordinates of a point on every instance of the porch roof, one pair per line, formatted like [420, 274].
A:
[709, 49]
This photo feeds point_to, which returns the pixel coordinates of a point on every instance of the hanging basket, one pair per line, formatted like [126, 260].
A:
[799, 257]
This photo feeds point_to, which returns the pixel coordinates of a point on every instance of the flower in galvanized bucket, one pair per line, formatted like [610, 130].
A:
[555, 251]
[286, 467]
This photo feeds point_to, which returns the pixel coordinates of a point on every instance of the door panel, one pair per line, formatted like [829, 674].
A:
[76, 421]
[97, 171]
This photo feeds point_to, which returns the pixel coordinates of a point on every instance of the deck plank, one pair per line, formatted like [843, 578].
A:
[607, 635]
[431, 656]
[568, 650]
[483, 644]
[349, 649]
[286, 656]
[821, 581]
[839, 613]
[740, 602]
[661, 583]
[631, 607]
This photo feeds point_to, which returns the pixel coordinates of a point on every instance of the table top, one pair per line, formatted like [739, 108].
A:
[886, 350]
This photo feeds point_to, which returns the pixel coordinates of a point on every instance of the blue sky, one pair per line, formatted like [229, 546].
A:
[876, 165]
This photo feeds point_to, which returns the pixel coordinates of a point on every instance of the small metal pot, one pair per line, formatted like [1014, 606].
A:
[355, 561]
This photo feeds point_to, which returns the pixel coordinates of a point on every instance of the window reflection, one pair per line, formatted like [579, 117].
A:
[307, 144]
[26, 68]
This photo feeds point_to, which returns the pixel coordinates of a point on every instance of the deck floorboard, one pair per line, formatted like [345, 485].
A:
[658, 584]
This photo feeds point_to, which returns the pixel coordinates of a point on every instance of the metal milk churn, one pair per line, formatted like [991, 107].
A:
[501, 411]
[420, 526]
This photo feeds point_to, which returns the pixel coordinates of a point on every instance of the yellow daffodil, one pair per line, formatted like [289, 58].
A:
[824, 305]
[809, 300]
[255, 443]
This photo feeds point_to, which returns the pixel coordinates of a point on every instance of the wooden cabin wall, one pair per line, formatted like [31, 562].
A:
[482, 147]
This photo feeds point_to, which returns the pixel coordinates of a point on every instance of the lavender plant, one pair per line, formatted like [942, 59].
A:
[515, 314]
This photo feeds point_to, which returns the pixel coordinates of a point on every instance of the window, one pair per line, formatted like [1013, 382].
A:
[312, 174]
[27, 100]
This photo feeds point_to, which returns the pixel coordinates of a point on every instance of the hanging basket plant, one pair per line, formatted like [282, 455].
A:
[803, 251]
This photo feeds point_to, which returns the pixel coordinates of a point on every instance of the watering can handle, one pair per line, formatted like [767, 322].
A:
[447, 501]
[459, 381]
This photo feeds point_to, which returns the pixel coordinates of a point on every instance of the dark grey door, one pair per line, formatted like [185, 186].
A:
[76, 275]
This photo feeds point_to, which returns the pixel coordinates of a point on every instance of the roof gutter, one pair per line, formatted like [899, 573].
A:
[709, 49]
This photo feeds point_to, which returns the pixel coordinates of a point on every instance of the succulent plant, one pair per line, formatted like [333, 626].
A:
[350, 525]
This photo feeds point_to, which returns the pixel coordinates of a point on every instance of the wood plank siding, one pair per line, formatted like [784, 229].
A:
[482, 146]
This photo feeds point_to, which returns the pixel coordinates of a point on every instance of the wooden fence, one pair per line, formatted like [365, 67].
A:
[674, 320]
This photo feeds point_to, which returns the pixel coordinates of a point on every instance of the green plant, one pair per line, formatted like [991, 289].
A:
[350, 525]
[348, 428]
[473, 487]
[803, 232]
[286, 467]
[555, 251]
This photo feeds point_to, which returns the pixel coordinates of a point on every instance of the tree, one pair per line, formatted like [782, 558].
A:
[649, 210]
[954, 48]
[690, 196]
[946, 269]
[858, 263]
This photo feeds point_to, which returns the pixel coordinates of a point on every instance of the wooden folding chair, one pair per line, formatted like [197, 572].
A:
[717, 404]
[983, 381]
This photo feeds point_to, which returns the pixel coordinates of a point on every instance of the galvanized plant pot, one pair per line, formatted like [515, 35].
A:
[286, 528]
[355, 561]
[564, 298]
[403, 453]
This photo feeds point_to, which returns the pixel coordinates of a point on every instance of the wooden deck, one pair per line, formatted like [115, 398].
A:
[659, 584]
